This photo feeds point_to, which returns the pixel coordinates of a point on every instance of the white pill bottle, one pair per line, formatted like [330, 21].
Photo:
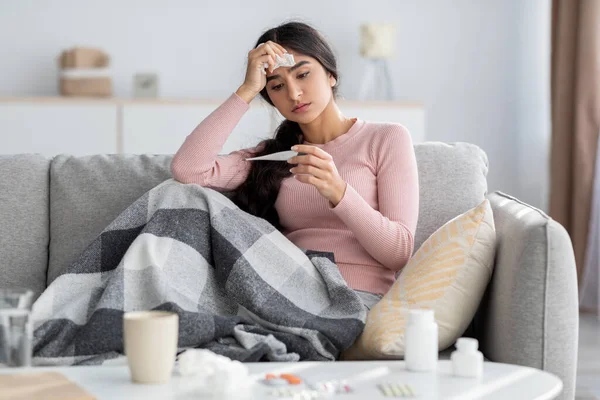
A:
[421, 341]
[467, 360]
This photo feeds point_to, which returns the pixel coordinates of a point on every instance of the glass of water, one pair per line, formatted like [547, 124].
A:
[16, 332]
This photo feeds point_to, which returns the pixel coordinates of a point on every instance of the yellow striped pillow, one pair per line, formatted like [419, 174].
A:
[449, 274]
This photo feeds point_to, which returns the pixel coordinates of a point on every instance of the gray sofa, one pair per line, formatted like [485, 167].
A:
[50, 209]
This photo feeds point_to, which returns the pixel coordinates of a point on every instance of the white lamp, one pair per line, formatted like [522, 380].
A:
[377, 45]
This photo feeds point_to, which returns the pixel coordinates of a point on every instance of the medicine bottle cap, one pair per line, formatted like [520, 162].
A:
[468, 345]
[418, 316]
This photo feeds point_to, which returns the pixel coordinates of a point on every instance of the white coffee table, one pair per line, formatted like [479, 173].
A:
[500, 381]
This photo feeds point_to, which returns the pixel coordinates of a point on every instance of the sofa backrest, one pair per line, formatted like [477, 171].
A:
[24, 222]
[452, 180]
[87, 193]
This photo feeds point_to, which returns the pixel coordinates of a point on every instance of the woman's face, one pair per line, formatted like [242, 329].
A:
[307, 83]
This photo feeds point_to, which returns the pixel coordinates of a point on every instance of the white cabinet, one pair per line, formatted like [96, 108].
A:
[51, 128]
[162, 128]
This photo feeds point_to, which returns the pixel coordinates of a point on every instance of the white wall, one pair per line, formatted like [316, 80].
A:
[533, 105]
[461, 59]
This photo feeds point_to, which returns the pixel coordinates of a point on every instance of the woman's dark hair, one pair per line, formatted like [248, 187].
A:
[258, 193]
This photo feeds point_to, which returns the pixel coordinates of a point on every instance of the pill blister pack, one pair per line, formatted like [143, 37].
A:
[291, 386]
[396, 390]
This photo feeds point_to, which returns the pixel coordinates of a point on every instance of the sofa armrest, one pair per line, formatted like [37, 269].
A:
[529, 315]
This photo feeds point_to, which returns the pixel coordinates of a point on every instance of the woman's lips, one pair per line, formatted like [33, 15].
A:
[303, 107]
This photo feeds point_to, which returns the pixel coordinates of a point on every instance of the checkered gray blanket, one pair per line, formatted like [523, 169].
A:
[239, 286]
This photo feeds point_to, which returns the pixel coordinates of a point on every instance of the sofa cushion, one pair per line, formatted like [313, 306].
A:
[448, 275]
[24, 221]
[87, 193]
[452, 180]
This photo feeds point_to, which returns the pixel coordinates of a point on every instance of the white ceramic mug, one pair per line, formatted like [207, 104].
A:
[150, 340]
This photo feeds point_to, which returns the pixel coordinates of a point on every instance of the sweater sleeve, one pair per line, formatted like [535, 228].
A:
[198, 160]
[388, 234]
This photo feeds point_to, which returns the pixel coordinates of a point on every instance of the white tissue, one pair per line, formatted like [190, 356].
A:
[218, 374]
[286, 61]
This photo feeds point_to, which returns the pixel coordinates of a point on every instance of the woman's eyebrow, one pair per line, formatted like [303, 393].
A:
[292, 69]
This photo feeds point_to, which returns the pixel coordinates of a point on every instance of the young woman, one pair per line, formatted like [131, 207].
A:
[355, 193]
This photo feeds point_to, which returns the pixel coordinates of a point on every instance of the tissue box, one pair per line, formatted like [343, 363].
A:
[84, 72]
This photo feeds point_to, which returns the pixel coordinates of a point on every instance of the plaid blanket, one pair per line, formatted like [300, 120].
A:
[241, 288]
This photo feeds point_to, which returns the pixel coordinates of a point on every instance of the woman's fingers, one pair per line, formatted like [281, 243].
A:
[310, 159]
[281, 48]
[269, 48]
[310, 170]
[259, 62]
[273, 55]
[273, 49]
[277, 48]
[310, 150]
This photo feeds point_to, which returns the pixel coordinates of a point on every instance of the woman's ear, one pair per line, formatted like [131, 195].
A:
[332, 80]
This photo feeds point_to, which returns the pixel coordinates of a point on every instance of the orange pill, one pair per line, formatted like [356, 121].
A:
[270, 376]
[292, 379]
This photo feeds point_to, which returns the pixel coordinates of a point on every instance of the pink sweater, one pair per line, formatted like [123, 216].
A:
[371, 230]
